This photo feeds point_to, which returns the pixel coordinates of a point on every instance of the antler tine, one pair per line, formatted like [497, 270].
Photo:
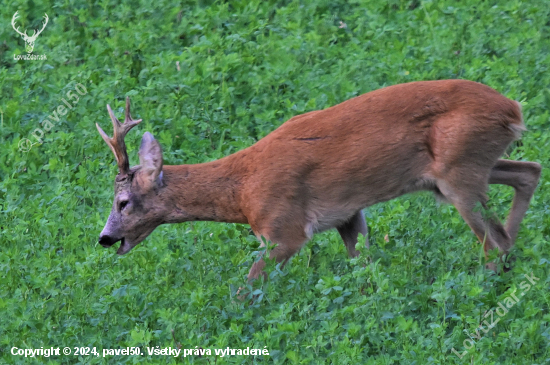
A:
[127, 117]
[116, 143]
[106, 139]
[114, 120]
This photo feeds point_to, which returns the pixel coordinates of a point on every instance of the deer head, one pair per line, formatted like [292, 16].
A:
[28, 40]
[136, 210]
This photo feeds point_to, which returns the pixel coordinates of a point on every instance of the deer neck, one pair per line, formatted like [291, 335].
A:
[202, 192]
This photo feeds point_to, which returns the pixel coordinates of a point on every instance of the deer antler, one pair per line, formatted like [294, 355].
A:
[35, 35]
[15, 16]
[117, 142]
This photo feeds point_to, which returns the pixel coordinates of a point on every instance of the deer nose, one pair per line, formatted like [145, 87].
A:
[107, 241]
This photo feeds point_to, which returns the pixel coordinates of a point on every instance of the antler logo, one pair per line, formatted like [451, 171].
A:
[28, 40]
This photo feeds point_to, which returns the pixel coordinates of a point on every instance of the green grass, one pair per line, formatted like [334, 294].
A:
[245, 67]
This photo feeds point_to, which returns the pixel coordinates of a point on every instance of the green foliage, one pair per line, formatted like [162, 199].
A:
[210, 78]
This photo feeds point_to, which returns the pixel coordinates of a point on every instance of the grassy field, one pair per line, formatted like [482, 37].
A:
[211, 78]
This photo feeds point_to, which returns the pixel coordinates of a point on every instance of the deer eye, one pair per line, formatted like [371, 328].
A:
[123, 205]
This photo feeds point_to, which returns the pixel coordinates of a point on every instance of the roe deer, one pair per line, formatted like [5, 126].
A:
[318, 170]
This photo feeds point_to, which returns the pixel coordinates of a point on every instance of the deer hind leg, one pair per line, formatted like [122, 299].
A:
[349, 231]
[466, 191]
[523, 177]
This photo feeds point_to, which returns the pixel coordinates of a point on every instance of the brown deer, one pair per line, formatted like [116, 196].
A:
[319, 169]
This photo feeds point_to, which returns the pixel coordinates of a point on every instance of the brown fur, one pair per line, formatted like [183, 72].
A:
[318, 170]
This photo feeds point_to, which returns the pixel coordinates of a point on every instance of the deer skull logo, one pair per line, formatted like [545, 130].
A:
[28, 40]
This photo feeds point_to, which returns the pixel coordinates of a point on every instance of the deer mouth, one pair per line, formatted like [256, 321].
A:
[126, 244]
[107, 241]
[125, 247]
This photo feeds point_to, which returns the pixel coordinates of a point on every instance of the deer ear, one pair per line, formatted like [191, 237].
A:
[150, 158]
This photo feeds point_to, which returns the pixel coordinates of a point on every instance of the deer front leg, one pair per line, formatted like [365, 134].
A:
[350, 230]
[281, 253]
[288, 242]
